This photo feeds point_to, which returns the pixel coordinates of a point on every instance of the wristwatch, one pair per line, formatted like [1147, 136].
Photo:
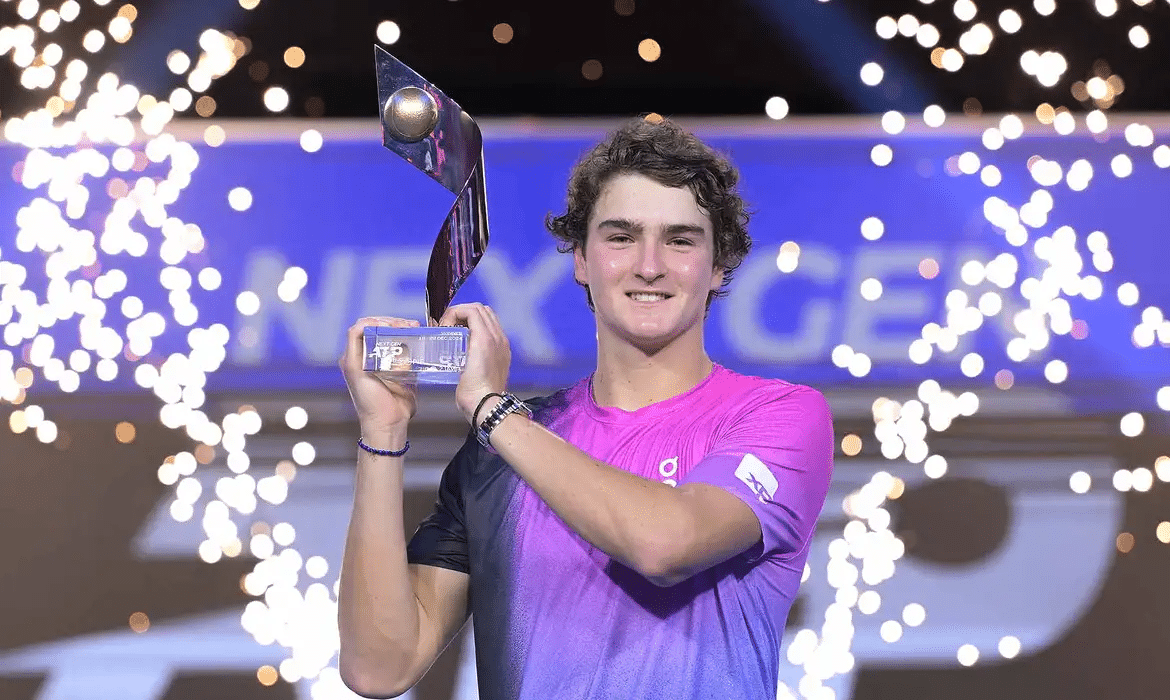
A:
[508, 405]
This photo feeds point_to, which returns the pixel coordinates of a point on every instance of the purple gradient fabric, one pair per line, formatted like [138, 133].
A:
[557, 618]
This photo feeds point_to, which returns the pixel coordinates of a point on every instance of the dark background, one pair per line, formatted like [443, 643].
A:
[717, 58]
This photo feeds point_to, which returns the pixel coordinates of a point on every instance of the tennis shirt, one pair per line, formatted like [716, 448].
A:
[555, 617]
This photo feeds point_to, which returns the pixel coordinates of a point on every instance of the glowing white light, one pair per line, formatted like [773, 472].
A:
[1107, 8]
[860, 364]
[283, 534]
[952, 60]
[968, 654]
[1139, 135]
[311, 140]
[1010, 21]
[93, 41]
[1127, 293]
[247, 303]
[882, 155]
[388, 32]
[296, 417]
[1163, 398]
[788, 259]
[1044, 7]
[1162, 156]
[913, 615]
[1080, 174]
[920, 351]
[1011, 126]
[893, 122]
[934, 116]
[70, 9]
[990, 176]
[303, 453]
[935, 466]
[887, 27]
[240, 198]
[1080, 482]
[1132, 424]
[1096, 121]
[1009, 647]
[776, 107]
[927, 36]
[1143, 479]
[178, 62]
[872, 228]
[1056, 371]
[276, 99]
[210, 278]
[181, 99]
[971, 365]
[27, 9]
[969, 163]
[908, 25]
[869, 602]
[1122, 165]
[872, 74]
[841, 355]
[890, 631]
[871, 289]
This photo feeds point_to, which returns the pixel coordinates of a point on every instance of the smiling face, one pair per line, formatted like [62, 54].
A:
[649, 263]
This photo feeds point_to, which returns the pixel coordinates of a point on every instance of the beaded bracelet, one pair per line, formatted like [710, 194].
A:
[383, 453]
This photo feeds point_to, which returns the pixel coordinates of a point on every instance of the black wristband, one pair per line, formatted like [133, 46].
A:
[475, 415]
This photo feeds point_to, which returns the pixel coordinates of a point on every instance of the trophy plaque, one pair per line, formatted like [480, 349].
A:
[431, 132]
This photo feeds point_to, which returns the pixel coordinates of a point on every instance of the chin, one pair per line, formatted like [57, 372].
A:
[648, 340]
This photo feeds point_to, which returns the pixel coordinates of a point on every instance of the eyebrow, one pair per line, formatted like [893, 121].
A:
[637, 227]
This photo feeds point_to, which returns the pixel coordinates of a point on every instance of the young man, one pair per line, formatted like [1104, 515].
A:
[641, 534]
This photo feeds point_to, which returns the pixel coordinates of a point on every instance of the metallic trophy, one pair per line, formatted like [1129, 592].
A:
[432, 133]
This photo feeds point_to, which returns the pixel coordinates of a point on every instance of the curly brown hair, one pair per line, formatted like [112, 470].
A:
[666, 153]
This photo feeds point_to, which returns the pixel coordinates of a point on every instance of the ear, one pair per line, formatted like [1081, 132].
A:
[717, 279]
[580, 270]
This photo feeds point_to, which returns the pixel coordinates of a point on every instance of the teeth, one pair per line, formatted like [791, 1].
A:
[647, 297]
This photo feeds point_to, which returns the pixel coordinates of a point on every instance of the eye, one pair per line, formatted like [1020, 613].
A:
[618, 238]
[682, 241]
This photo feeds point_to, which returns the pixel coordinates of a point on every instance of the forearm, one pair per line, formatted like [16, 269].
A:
[378, 614]
[641, 523]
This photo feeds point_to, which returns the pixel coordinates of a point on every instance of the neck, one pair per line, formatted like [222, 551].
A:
[630, 378]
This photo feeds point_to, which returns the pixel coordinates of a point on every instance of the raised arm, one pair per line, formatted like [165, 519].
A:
[394, 618]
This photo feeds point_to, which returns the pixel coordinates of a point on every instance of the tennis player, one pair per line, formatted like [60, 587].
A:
[639, 534]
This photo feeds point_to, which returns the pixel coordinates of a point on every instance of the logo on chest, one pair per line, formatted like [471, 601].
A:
[668, 470]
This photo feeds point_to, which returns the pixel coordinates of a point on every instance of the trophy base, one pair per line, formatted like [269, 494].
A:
[426, 355]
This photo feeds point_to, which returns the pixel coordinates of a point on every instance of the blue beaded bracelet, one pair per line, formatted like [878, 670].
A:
[383, 453]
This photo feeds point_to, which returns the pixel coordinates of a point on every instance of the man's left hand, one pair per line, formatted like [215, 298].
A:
[489, 357]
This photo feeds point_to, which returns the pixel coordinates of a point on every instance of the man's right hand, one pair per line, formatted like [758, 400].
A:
[381, 405]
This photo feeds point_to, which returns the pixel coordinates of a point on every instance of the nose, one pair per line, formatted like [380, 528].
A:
[651, 267]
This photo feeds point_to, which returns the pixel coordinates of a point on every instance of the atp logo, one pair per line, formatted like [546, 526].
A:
[758, 478]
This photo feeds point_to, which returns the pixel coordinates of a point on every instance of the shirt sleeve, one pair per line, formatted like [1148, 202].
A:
[777, 457]
[441, 538]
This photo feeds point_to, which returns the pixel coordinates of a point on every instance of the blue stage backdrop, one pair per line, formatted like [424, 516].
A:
[361, 223]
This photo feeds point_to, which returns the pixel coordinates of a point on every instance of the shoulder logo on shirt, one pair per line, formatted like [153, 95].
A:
[667, 468]
[758, 478]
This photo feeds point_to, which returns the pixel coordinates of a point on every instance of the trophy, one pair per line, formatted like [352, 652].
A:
[432, 133]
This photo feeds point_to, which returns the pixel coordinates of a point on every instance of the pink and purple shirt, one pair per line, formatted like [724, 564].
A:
[555, 617]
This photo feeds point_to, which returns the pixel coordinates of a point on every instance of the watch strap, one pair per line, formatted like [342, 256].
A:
[507, 405]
